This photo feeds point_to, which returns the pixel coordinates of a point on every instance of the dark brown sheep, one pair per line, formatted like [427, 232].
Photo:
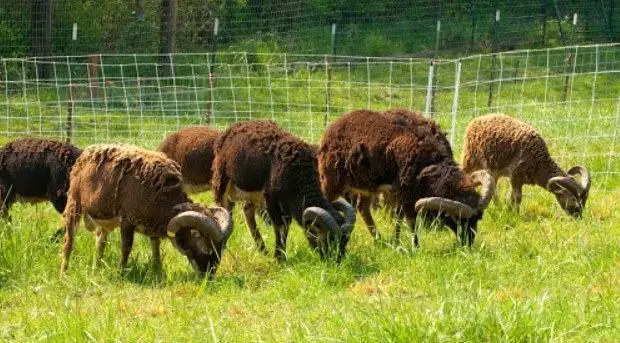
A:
[192, 148]
[407, 158]
[141, 190]
[35, 169]
[508, 147]
[257, 161]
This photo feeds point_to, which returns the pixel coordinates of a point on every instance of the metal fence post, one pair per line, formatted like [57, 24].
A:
[429, 90]
[455, 101]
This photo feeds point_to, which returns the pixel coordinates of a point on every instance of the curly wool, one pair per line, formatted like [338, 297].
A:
[37, 167]
[365, 149]
[192, 148]
[152, 169]
[508, 147]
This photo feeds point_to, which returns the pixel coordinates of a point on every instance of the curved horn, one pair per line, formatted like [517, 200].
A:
[222, 216]
[565, 182]
[342, 205]
[207, 227]
[321, 217]
[586, 180]
[451, 207]
[484, 179]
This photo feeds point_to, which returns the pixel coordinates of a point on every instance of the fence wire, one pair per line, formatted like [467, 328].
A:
[571, 95]
[364, 28]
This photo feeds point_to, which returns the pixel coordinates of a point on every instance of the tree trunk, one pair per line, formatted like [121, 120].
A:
[41, 33]
[139, 6]
[168, 33]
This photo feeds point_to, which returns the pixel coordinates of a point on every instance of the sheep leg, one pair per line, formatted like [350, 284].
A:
[7, 198]
[363, 207]
[249, 211]
[516, 195]
[414, 230]
[127, 234]
[281, 233]
[68, 242]
[102, 238]
[155, 248]
[398, 215]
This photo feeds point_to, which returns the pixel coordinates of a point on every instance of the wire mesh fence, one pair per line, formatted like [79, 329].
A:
[571, 95]
[363, 28]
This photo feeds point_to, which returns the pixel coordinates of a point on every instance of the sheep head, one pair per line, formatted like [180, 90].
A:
[570, 192]
[324, 230]
[201, 234]
[456, 201]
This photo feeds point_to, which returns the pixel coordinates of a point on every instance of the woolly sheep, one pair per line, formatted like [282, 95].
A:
[258, 162]
[192, 148]
[35, 169]
[141, 190]
[407, 158]
[508, 147]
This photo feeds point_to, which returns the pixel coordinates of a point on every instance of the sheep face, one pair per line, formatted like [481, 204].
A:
[201, 234]
[203, 256]
[451, 196]
[572, 191]
[327, 230]
[571, 203]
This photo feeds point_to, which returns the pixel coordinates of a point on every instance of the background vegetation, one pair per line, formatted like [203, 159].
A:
[365, 28]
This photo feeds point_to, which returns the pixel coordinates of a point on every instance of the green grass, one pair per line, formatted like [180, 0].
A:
[534, 276]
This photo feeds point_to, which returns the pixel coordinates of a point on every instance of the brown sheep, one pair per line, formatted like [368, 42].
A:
[258, 162]
[407, 158]
[141, 190]
[508, 147]
[35, 169]
[192, 148]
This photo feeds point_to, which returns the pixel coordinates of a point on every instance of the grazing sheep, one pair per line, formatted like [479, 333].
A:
[508, 147]
[141, 190]
[408, 159]
[257, 161]
[35, 169]
[192, 148]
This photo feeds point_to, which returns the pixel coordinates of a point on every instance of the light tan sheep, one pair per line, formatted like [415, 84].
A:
[141, 190]
[508, 147]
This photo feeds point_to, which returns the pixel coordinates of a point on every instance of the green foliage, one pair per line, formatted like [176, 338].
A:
[392, 27]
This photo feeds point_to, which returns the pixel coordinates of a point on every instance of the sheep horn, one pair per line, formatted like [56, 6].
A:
[565, 182]
[321, 217]
[224, 220]
[349, 213]
[484, 179]
[207, 227]
[451, 207]
[586, 180]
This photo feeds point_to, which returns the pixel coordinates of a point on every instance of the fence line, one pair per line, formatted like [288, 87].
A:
[128, 98]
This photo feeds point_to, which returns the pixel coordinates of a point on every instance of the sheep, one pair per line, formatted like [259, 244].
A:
[192, 148]
[258, 162]
[509, 147]
[408, 159]
[34, 170]
[141, 190]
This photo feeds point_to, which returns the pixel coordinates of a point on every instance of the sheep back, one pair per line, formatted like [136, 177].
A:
[365, 149]
[109, 181]
[506, 146]
[38, 168]
[192, 148]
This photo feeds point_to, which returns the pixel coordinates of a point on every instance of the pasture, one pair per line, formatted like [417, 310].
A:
[537, 275]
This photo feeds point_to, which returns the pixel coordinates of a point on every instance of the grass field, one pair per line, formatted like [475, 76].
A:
[537, 275]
